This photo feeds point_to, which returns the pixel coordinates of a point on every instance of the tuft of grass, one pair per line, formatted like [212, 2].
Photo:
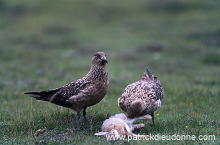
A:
[212, 59]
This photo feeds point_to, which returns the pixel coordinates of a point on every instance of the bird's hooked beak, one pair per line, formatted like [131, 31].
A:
[104, 59]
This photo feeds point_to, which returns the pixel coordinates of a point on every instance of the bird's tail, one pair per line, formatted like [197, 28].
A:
[149, 76]
[135, 109]
[43, 95]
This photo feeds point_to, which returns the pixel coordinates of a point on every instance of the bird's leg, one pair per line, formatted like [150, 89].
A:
[84, 115]
[68, 114]
[152, 114]
[77, 120]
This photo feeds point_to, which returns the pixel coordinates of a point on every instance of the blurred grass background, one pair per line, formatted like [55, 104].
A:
[46, 44]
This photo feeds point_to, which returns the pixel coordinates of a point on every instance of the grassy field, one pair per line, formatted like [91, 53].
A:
[46, 44]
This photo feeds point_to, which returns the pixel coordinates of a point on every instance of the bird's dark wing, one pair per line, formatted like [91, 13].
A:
[60, 95]
[71, 89]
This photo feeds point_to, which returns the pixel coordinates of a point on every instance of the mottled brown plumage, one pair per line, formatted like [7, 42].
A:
[83, 92]
[142, 97]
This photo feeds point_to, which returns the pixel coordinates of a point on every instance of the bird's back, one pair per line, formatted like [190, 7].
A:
[142, 97]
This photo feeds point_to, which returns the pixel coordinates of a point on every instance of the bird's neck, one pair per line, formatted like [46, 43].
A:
[97, 73]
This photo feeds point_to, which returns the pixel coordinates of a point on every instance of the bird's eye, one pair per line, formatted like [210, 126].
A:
[97, 55]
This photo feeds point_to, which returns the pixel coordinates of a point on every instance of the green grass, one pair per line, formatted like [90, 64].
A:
[46, 44]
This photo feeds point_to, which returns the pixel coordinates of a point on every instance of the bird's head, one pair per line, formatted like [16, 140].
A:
[99, 58]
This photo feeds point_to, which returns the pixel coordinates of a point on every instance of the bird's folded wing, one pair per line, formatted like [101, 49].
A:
[70, 89]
